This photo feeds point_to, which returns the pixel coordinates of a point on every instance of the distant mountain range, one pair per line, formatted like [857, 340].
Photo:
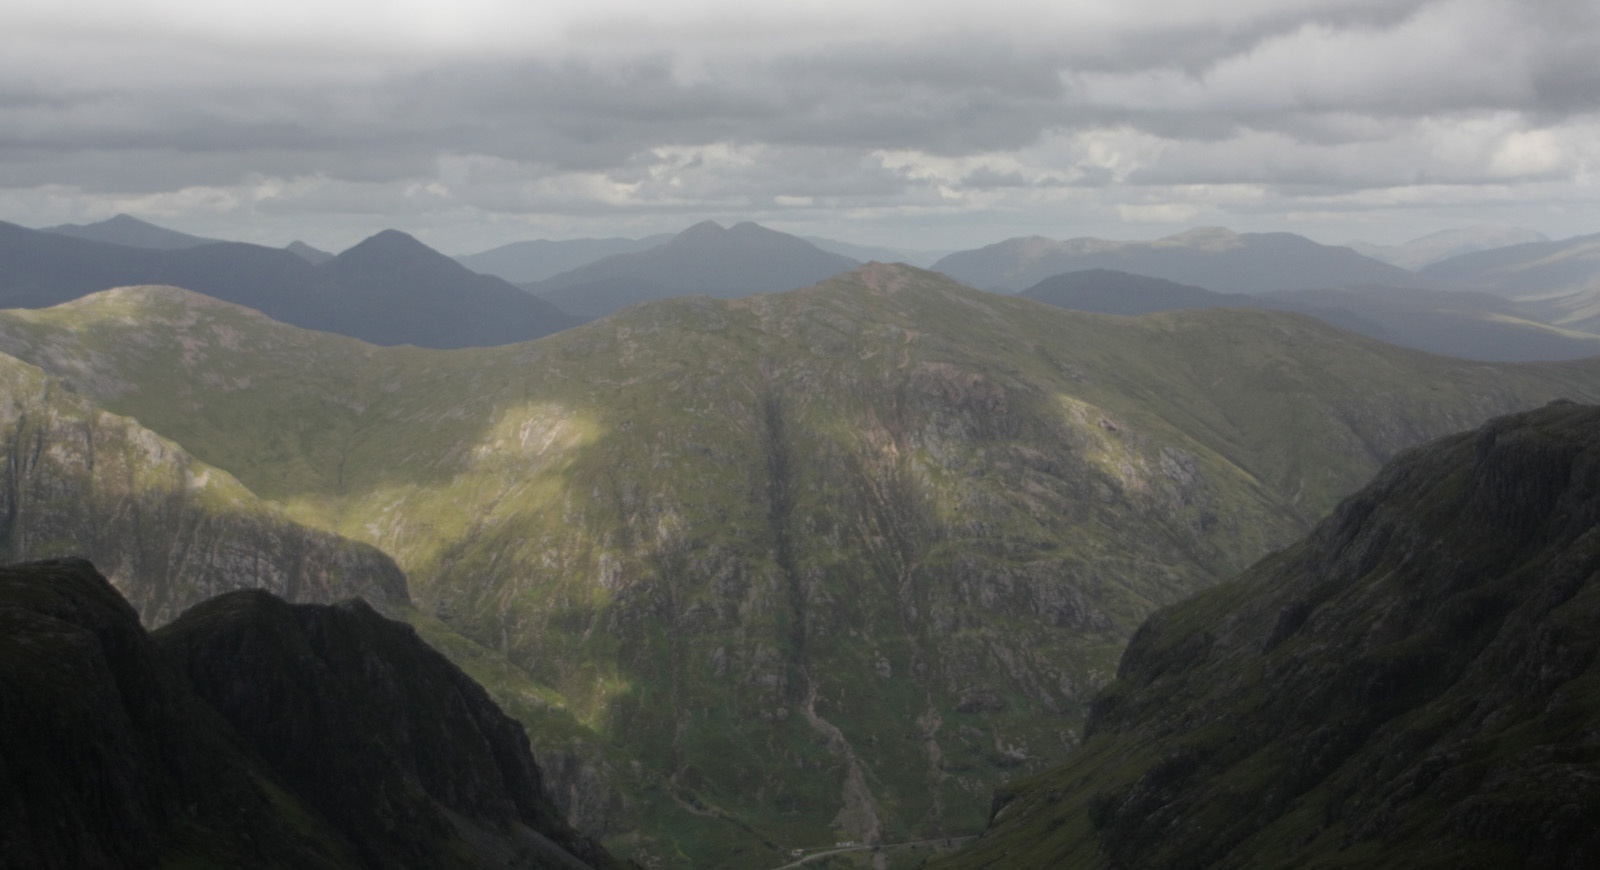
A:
[131, 232]
[1559, 280]
[1445, 244]
[1454, 323]
[1416, 683]
[390, 289]
[532, 261]
[703, 259]
[1214, 258]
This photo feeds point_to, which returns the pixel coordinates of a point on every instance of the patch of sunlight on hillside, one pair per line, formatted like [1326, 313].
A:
[537, 431]
[1105, 445]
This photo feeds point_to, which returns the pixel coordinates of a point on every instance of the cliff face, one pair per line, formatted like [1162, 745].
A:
[169, 530]
[1416, 684]
[251, 732]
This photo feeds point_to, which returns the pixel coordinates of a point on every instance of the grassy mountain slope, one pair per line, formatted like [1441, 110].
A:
[832, 562]
[169, 530]
[1416, 684]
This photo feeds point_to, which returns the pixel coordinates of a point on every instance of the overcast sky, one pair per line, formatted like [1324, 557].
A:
[917, 123]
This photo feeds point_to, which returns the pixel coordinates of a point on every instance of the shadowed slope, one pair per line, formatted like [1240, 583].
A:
[1415, 684]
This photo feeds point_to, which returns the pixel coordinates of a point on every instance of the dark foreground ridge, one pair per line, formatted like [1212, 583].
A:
[1413, 685]
[251, 733]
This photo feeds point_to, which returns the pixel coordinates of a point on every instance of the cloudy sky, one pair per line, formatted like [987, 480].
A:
[926, 124]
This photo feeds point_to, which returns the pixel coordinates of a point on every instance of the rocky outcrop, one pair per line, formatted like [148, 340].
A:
[169, 530]
[1414, 685]
[251, 733]
[378, 732]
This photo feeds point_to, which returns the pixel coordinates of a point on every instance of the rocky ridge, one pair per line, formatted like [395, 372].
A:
[251, 732]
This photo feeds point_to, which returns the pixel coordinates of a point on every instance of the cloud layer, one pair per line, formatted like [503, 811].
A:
[943, 123]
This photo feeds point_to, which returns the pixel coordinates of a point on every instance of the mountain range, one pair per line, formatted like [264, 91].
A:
[1414, 684]
[739, 545]
[1560, 280]
[1443, 245]
[1210, 257]
[1466, 324]
[703, 259]
[390, 289]
[537, 259]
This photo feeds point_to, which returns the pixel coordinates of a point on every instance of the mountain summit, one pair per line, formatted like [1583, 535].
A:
[705, 258]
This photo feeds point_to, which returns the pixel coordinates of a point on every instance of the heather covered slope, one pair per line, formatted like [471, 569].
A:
[748, 541]
[251, 733]
[1415, 684]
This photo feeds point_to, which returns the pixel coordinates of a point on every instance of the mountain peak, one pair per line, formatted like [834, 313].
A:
[388, 245]
[131, 232]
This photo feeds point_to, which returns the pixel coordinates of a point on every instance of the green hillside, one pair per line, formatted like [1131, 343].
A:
[832, 563]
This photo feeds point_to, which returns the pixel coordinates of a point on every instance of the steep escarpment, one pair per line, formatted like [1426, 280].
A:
[1416, 684]
[821, 565]
[251, 733]
[378, 732]
[169, 530]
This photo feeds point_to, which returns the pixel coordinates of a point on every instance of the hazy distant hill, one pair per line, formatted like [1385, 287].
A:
[1445, 244]
[536, 260]
[1559, 280]
[832, 563]
[867, 253]
[1415, 684]
[132, 232]
[314, 256]
[390, 289]
[703, 259]
[1454, 323]
[1211, 257]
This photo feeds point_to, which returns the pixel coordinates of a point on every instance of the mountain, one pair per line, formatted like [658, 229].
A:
[872, 253]
[1211, 257]
[703, 259]
[1445, 244]
[1108, 291]
[822, 565]
[251, 733]
[314, 256]
[1560, 280]
[131, 232]
[1453, 323]
[532, 261]
[171, 530]
[1414, 684]
[390, 289]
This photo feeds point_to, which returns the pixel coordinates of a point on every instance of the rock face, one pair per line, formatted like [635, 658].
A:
[821, 565]
[251, 733]
[1413, 685]
[170, 530]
